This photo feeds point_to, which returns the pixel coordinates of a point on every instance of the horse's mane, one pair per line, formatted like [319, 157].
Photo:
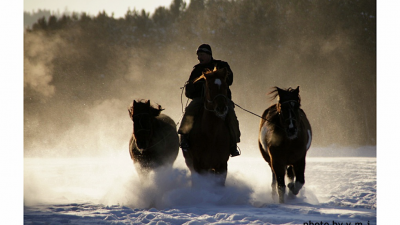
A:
[155, 109]
[271, 114]
[275, 92]
[207, 72]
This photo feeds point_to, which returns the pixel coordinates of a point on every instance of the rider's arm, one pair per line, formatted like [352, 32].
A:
[194, 90]
[229, 79]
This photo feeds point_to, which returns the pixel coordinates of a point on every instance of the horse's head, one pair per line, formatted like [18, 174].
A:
[216, 91]
[288, 109]
[142, 115]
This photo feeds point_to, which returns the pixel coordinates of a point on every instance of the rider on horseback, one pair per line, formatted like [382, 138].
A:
[195, 92]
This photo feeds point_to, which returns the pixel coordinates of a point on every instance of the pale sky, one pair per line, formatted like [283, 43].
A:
[93, 7]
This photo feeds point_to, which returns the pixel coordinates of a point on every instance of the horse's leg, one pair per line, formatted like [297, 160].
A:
[273, 184]
[280, 171]
[142, 172]
[188, 159]
[131, 146]
[290, 174]
[221, 173]
[195, 171]
[299, 168]
[266, 157]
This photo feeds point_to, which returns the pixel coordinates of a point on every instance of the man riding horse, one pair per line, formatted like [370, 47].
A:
[195, 92]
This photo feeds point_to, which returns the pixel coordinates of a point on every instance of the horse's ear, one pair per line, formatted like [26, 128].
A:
[297, 93]
[297, 90]
[133, 106]
[148, 102]
[279, 90]
[130, 111]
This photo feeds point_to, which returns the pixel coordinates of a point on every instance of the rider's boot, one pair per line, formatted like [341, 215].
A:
[234, 132]
[234, 150]
[234, 140]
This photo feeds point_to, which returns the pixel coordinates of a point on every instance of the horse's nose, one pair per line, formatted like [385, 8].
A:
[141, 144]
[221, 108]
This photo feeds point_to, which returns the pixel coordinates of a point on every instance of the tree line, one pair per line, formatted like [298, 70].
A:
[75, 61]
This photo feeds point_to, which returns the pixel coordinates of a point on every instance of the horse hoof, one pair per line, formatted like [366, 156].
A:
[281, 199]
[295, 187]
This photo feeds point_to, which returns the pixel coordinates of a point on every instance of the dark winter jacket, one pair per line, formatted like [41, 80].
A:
[196, 90]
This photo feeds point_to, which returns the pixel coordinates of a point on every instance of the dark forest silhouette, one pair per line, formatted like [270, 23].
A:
[79, 67]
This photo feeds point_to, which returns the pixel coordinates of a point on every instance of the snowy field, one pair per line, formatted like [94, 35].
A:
[107, 190]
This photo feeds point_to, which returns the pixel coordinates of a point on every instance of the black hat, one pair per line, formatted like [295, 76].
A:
[204, 48]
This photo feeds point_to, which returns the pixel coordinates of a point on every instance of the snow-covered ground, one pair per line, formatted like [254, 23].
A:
[107, 190]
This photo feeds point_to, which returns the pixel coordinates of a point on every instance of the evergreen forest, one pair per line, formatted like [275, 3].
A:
[81, 72]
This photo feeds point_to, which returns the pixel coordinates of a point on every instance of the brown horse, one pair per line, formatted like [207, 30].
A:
[284, 138]
[154, 141]
[210, 137]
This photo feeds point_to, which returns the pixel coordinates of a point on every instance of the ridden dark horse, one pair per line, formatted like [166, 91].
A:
[210, 137]
[154, 141]
[284, 138]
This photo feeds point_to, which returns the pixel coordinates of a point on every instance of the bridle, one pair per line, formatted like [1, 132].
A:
[141, 128]
[292, 103]
[222, 116]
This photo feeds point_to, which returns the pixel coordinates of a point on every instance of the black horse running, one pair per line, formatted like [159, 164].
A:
[154, 141]
[284, 138]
